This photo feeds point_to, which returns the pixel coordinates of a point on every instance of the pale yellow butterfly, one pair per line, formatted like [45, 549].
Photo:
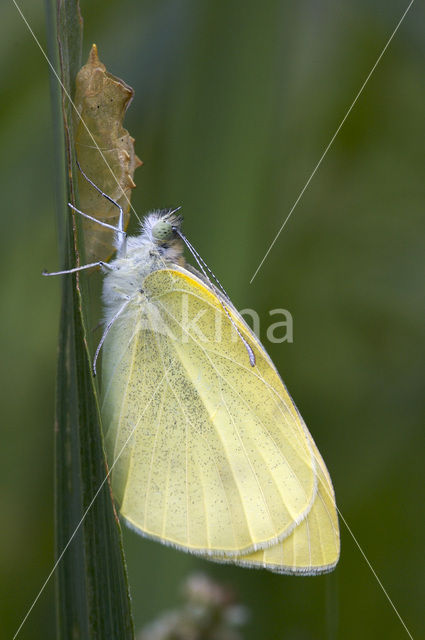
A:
[206, 449]
[210, 453]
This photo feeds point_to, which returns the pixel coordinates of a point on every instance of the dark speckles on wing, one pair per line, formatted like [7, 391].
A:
[219, 459]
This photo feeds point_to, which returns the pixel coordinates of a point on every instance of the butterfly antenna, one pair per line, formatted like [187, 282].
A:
[198, 258]
[201, 264]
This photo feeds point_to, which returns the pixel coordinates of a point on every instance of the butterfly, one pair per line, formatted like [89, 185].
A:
[206, 449]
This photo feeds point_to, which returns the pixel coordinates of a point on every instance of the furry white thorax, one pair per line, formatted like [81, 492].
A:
[142, 255]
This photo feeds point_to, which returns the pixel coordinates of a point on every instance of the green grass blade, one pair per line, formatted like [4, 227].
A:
[92, 592]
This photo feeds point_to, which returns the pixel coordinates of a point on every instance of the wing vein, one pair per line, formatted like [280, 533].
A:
[265, 430]
[148, 484]
[187, 420]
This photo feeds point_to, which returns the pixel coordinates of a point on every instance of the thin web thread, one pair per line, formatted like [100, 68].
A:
[132, 208]
[385, 592]
[331, 141]
[87, 510]
[75, 108]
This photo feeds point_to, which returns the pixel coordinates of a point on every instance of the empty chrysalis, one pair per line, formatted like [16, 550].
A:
[206, 449]
[102, 143]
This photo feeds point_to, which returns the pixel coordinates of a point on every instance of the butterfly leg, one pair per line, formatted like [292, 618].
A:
[120, 234]
[92, 265]
[106, 331]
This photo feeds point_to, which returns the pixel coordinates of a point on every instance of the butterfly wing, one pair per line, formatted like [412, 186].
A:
[313, 547]
[207, 453]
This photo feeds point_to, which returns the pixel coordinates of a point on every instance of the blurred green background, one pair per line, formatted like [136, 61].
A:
[235, 103]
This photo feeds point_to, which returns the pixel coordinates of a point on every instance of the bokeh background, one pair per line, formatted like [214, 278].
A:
[235, 103]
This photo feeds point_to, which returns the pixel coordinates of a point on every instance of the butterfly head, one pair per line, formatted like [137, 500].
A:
[162, 228]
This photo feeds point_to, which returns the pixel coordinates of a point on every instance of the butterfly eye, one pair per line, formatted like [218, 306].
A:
[162, 231]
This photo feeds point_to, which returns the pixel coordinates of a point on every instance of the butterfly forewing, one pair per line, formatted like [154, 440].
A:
[208, 453]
